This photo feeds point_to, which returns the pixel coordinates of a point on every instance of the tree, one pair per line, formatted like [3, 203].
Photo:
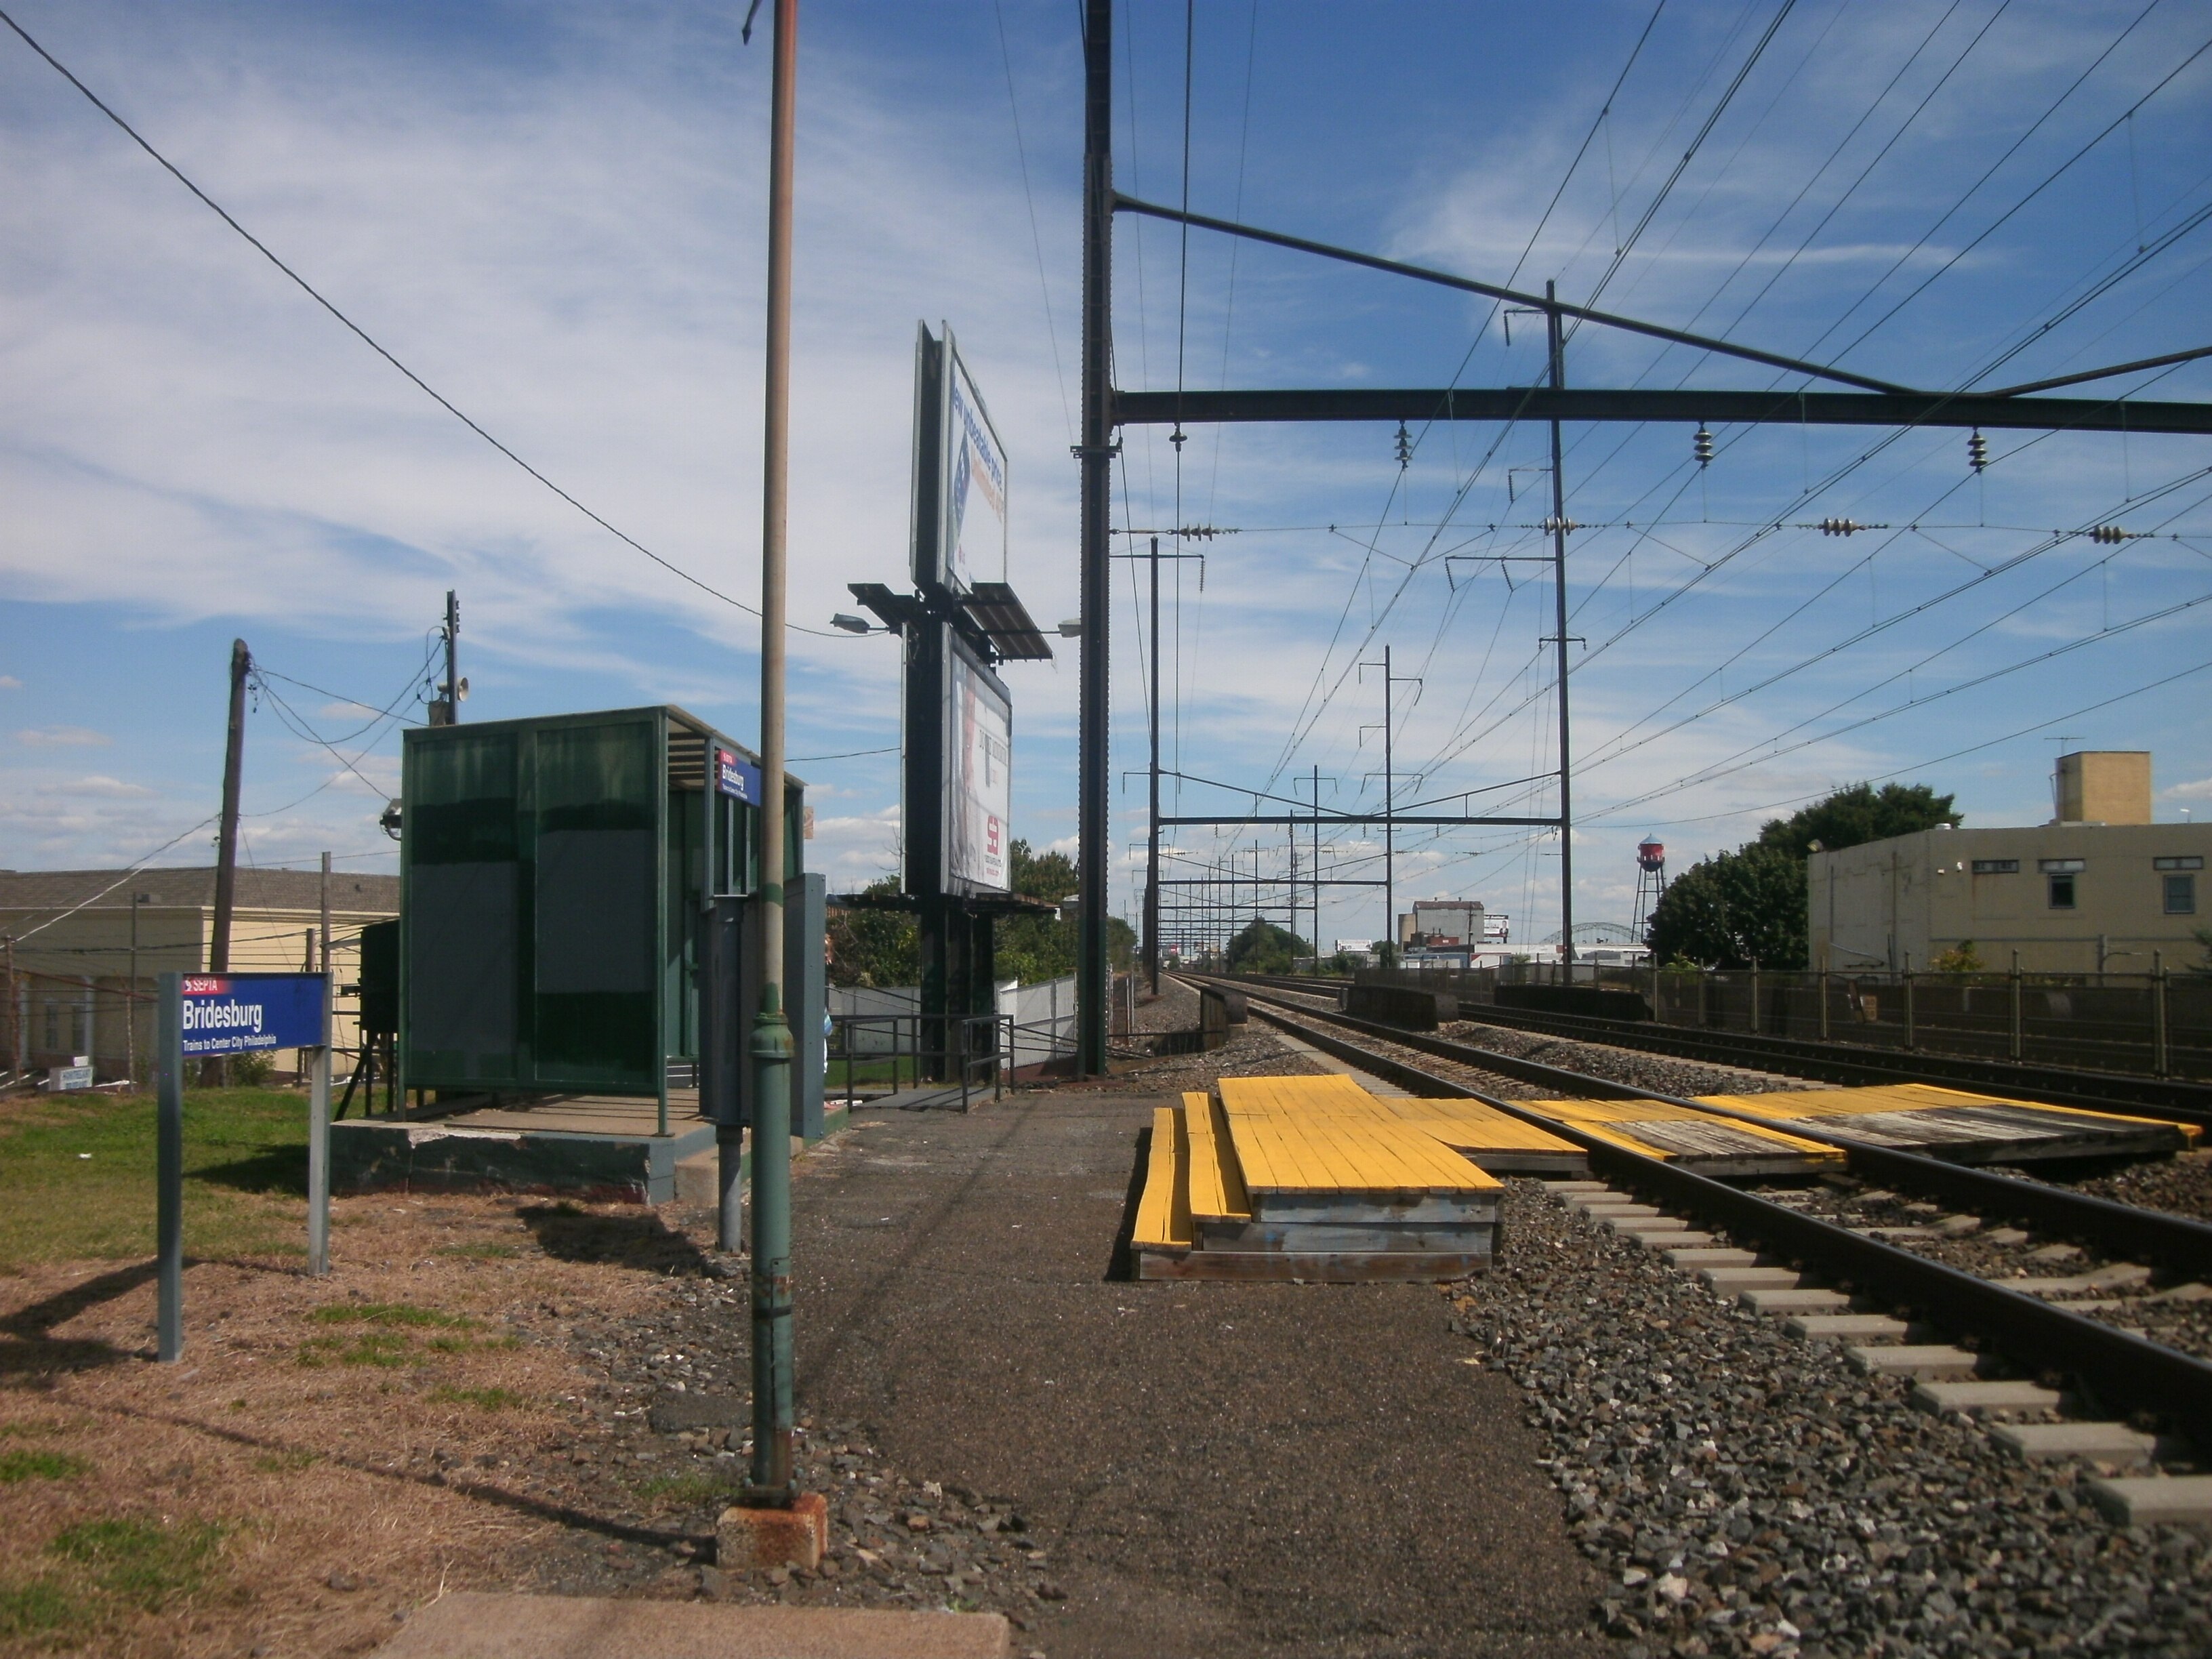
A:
[1263, 948]
[1751, 903]
[1733, 906]
[869, 947]
[1861, 813]
[1033, 948]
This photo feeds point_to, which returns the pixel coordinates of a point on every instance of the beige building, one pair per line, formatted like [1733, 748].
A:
[2116, 893]
[76, 941]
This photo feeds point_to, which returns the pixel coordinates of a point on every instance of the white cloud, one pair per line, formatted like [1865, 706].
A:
[9, 683]
[105, 788]
[63, 737]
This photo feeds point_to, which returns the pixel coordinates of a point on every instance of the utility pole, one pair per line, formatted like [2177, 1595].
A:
[1096, 454]
[226, 856]
[1152, 852]
[771, 1485]
[445, 710]
[1558, 378]
[130, 995]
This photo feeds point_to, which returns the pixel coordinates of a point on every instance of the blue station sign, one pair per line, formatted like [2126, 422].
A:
[240, 1013]
[737, 777]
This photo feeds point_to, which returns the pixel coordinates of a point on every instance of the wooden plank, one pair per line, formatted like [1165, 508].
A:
[1280, 1266]
[1327, 1135]
[1965, 1126]
[1216, 1182]
[1163, 1210]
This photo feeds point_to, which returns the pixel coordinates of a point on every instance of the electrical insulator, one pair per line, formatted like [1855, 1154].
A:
[1977, 451]
[1405, 448]
[1702, 446]
[1555, 526]
[1840, 527]
[2108, 533]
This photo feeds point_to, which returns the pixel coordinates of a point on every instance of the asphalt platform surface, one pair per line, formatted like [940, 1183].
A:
[1213, 1469]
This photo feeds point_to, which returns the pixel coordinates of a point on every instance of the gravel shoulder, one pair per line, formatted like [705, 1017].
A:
[1744, 1492]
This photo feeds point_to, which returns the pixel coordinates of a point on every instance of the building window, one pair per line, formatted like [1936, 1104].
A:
[2062, 890]
[2177, 863]
[1997, 866]
[2180, 895]
[53, 1028]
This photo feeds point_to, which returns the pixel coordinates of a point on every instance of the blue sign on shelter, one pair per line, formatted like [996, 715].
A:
[238, 1013]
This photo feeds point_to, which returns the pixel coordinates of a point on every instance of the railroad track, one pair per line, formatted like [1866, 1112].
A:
[2108, 1369]
[2173, 1098]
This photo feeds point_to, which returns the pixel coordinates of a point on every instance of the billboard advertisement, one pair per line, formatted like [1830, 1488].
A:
[979, 752]
[973, 494]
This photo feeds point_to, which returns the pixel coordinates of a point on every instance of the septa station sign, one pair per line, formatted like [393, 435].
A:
[740, 778]
[241, 1013]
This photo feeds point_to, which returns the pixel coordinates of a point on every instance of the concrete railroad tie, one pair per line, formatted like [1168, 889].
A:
[1923, 1362]
[2139, 1500]
[1986, 1399]
[2096, 1442]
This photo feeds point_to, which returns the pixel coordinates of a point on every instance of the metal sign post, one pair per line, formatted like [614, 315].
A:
[205, 1015]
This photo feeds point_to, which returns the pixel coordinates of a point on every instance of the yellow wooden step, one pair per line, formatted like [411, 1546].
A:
[1163, 1210]
[1217, 1177]
[1309, 1135]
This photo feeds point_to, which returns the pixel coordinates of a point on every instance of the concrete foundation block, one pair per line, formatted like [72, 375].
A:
[757, 1539]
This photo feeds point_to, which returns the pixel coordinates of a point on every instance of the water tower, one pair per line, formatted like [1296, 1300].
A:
[1650, 881]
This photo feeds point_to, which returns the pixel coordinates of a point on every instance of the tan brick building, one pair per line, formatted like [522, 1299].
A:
[78, 940]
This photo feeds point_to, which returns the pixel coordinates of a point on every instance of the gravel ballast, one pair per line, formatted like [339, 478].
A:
[1745, 1492]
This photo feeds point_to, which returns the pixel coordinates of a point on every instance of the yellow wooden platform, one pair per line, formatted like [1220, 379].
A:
[1692, 1139]
[1496, 1141]
[1961, 1125]
[1164, 1209]
[1216, 1180]
[1327, 1135]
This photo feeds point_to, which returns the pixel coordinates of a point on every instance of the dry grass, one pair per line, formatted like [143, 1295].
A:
[329, 1452]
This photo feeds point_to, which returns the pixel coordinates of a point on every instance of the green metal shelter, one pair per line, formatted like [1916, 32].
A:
[555, 874]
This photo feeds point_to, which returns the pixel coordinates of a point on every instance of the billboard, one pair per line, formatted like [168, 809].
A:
[973, 493]
[979, 752]
[959, 508]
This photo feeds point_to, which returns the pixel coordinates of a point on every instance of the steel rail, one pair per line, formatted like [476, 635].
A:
[2113, 1369]
[1839, 1062]
[2170, 1241]
[2177, 1100]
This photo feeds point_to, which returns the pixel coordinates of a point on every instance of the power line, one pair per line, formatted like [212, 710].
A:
[368, 340]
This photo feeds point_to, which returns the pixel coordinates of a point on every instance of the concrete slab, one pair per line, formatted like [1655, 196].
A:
[2095, 1442]
[1927, 1362]
[1705, 1255]
[475, 1626]
[1799, 1301]
[2139, 1500]
[1728, 1280]
[1978, 1398]
[1848, 1326]
[1670, 1243]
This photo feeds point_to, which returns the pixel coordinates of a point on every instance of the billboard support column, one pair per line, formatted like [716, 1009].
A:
[1091, 983]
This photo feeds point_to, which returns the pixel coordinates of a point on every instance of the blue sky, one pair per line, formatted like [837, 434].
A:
[554, 214]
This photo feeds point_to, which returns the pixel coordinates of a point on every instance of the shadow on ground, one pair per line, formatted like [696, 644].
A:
[643, 1242]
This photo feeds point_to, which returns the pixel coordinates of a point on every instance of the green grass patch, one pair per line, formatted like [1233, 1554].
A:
[386, 1313]
[37, 1608]
[382, 1348]
[17, 1465]
[490, 1399]
[285, 1462]
[246, 1161]
[481, 1250]
[143, 1562]
[694, 1487]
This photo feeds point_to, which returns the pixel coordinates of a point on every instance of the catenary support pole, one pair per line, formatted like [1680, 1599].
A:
[1153, 844]
[1559, 378]
[319, 1112]
[1093, 855]
[169, 1170]
[772, 1476]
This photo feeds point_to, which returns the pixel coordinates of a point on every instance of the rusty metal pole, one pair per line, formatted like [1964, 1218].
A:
[772, 1483]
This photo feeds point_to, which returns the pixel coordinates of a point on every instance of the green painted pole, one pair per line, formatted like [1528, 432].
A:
[169, 1170]
[772, 1482]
